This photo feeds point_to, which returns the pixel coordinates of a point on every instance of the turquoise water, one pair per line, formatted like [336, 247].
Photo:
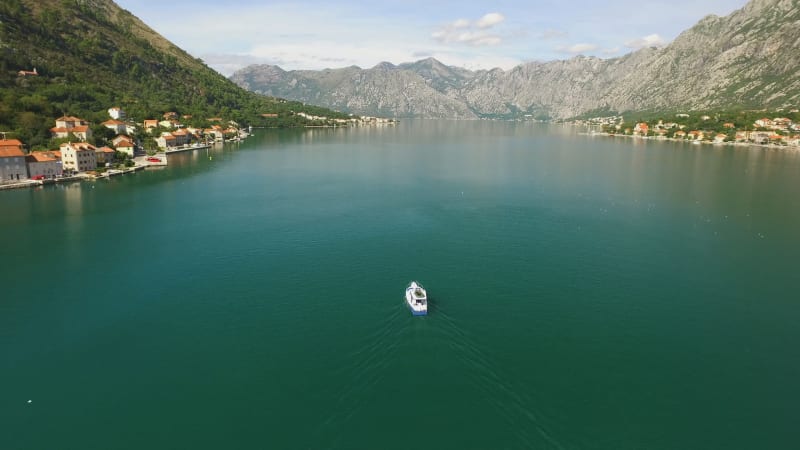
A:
[586, 293]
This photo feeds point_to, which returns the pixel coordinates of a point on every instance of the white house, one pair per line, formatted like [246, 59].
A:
[43, 164]
[78, 156]
[116, 126]
[67, 124]
[116, 113]
[12, 161]
[765, 123]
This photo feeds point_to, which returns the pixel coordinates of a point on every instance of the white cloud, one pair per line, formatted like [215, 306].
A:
[651, 40]
[577, 48]
[476, 34]
[611, 51]
[490, 20]
[460, 23]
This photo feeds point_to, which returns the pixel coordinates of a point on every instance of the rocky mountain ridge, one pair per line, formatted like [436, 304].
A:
[746, 59]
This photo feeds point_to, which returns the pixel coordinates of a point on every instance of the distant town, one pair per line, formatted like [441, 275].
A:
[703, 128]
[76, 158]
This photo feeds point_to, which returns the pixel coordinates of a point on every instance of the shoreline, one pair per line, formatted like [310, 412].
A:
[694, 142]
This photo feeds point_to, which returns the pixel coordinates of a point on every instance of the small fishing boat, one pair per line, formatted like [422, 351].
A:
[417, 299]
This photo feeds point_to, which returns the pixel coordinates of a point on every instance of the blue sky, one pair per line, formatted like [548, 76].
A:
[310, 34]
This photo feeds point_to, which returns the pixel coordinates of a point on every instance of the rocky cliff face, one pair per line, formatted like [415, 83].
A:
[749, 58]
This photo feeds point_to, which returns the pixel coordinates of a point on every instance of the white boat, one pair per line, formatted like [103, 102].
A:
[417, 299]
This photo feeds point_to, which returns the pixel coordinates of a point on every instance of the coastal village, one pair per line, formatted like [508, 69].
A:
[776, 131]
[77, 159]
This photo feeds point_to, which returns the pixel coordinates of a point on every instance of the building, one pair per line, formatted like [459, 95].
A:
[78, 156]
[764, 123]
[169, 124]
[214, 133]
[696, 135]
[167, 140]
[150, 124]
[68, 124]
[182, 137]
[116, 113]
[104, 155]
[126, 147]
[43, 165]
[641, 129]
[12, 161]
[119, 138]
[116, 126]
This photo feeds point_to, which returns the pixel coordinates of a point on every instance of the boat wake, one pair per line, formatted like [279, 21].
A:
[372, 361]
[513, 405]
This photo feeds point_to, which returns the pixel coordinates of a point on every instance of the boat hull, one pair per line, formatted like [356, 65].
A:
[418, 312]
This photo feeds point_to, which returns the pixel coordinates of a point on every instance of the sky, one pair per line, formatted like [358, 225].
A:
[312, 34]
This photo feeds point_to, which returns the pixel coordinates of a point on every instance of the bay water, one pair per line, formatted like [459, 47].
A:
[586, 292]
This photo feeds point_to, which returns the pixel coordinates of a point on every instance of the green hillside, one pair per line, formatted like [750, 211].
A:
[91, 55]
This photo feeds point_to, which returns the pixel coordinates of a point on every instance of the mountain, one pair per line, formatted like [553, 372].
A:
[747, 59]
[384, 90]
[91, 55]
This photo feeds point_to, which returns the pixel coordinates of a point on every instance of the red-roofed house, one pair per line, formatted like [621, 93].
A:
[125, 146]
[104, 155]
[82, 132]
[67, 124]
[70, 122]
[12, 161]
[641, 128]
[119, 138]
[28, 73]
[181, 137]
[150, 124]
[43, 164]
